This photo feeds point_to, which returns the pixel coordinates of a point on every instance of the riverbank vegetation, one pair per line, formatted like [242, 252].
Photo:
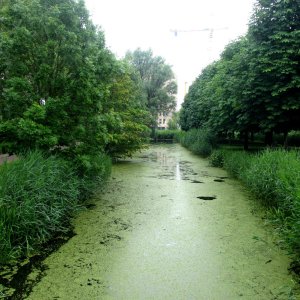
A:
[166, 135]
[251, 94]
[200, 141]
[68, 107]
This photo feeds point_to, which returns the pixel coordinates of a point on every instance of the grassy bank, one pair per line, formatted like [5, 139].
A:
[199, 141]
[165, 135]
[39, 195]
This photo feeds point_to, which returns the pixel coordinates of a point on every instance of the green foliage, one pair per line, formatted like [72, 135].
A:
[93, 172]
[166, 134]
[37, 197]
[199, 141]
[61, 91]
[216, 159]
[237, 162]
[274, 176]
[126, 114]
[274, 35]
[254, 86]
[173, 123]
[294, 138]
[27, 132]
[158, 82]
[51, 50]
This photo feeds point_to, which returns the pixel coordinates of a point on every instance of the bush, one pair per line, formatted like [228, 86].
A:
[199, 141]
[38, 195]
[93, 171]
[165, 134]
[237, 162]
[216, 159]
[294, 138]
[274, 175]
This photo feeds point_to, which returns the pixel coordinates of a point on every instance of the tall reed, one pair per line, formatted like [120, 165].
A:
[38, 196]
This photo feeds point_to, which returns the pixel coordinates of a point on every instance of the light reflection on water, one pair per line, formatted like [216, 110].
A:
[178, 175]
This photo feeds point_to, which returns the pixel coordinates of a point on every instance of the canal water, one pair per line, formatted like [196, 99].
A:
[168, 227]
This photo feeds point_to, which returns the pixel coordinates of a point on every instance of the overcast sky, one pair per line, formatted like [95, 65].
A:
[129, 24]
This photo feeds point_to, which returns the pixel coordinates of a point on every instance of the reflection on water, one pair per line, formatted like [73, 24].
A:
[178, 176]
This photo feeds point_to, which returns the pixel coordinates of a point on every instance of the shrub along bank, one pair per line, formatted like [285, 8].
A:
[199, 141]
[165, 135]
[38, 196]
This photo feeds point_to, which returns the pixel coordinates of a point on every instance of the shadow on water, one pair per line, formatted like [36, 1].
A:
[14, 281]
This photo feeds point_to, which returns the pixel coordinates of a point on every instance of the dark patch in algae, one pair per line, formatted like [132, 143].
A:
[219, 180]
[108, 238]
[90, 206]
[207, 197]
[13, 277]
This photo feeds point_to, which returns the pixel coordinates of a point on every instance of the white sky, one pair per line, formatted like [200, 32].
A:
[129, 24]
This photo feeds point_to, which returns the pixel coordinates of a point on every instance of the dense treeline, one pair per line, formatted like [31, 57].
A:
[67, 108]
[254, 86]
[52, 54]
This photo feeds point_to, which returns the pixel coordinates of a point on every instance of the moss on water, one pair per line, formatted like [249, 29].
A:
[149, 237]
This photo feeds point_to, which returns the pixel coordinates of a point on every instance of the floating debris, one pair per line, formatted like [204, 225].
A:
[207, 197]
[219, 180]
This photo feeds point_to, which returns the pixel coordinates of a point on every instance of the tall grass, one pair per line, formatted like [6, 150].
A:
[93, 170]
[199, 141]
[39, 195]
[274, 177]
[162, 135]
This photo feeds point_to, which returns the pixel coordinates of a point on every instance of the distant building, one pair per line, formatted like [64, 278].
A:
[163, 119]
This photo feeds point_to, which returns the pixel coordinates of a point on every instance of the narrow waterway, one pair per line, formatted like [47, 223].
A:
[169, 227]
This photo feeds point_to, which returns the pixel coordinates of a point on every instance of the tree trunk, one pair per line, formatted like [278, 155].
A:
[285, 139]
[269, 138]
[246, 140]
[153, 133]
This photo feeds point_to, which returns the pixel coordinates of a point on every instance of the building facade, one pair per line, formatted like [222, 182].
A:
[163, 119]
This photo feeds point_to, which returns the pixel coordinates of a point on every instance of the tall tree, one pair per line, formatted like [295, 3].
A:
[125, 113]
[158, 81]
[60, 87]
[52, 54]
[274, 34]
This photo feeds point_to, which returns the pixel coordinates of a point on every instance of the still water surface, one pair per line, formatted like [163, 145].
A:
[152, 236]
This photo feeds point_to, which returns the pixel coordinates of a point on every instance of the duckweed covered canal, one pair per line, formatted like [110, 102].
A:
[169, 227]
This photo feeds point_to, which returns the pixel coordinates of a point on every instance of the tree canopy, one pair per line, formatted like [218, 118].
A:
[254, 86]
[60, 87]
[158, 81]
